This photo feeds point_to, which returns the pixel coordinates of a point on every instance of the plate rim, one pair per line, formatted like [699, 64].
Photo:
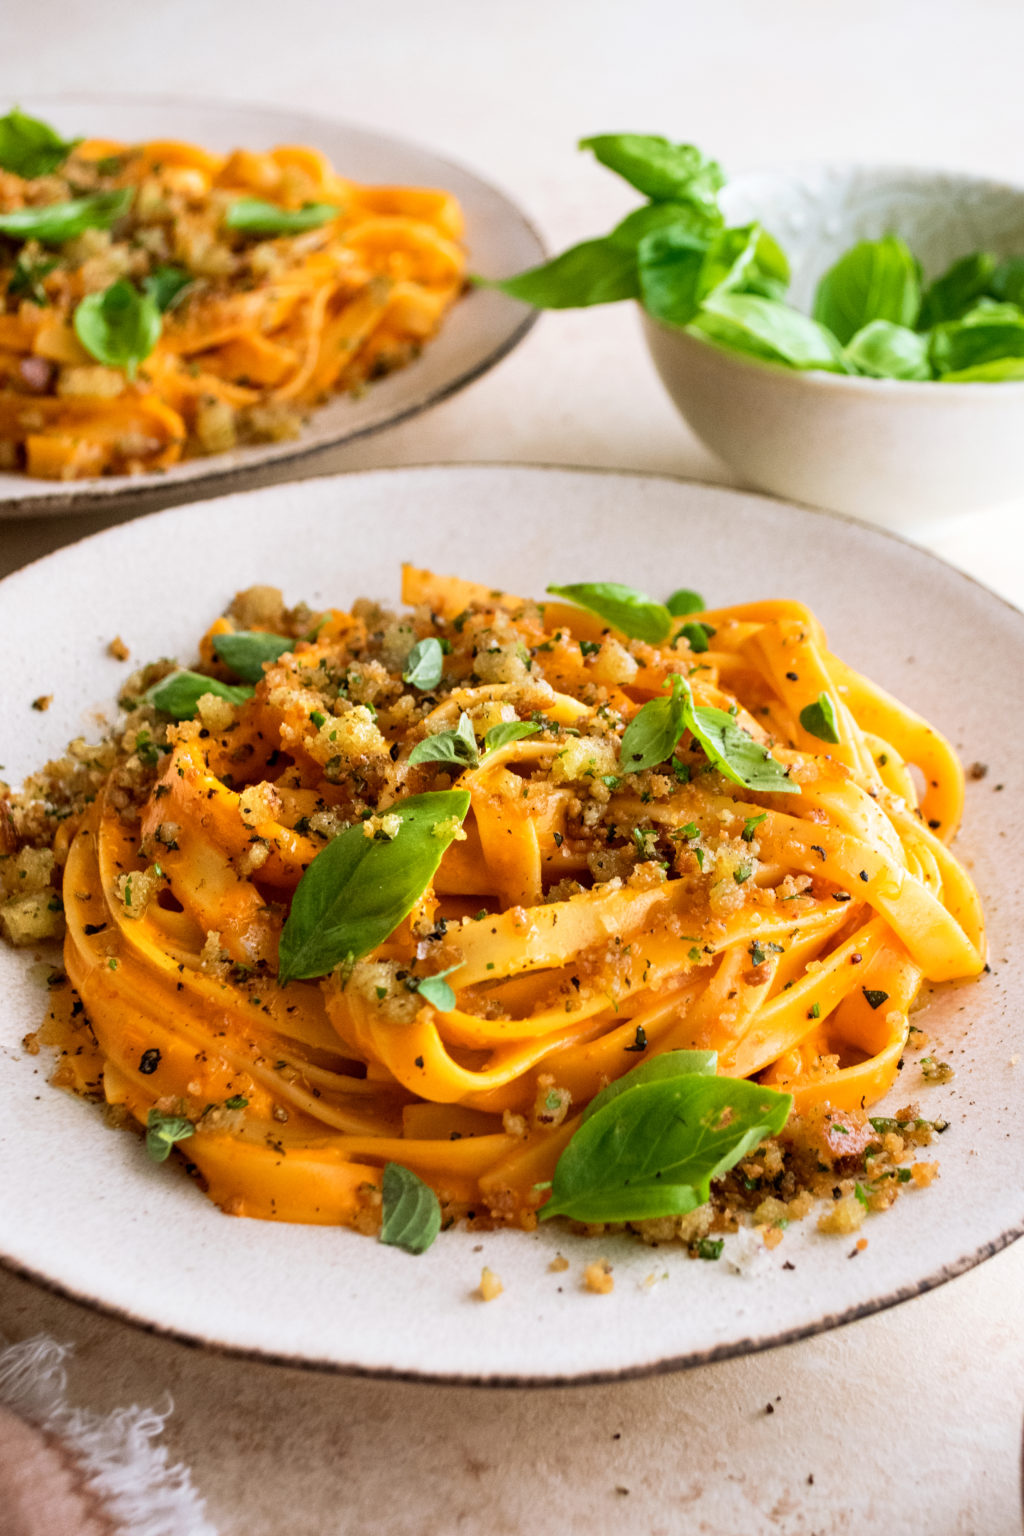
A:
[730, 1349]
[147, 492]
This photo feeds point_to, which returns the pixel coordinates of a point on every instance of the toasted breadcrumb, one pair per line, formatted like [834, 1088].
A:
[490, 1287]
[597, 1277]
[118, 649]
[558, 1265]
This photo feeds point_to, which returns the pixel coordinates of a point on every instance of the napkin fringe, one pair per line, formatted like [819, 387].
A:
[120, 1463]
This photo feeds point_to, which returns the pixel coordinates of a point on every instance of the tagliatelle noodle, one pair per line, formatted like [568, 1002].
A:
[794, 947]
[270, 327]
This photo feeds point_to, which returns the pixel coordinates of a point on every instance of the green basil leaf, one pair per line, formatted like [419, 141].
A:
[684, 602]
[873, 280]
[669, 264]
[251, 216]
[358, 889]
[166, 287]
[458, 746]
[960, 286]
[437, 991]
[26, 280]
[31, 148]
[986, 334]
[510, 730]
[735, 754]
[651, 735]
[768, 274]
[58, 222]
[697, 636]
[118, 327]
[602, 271]
[162, 1131]
[424, 664]
[882, 350]
[625, 609]
[819, 719]
[653, 1070]
[663, 171]
[1007, 281]
[180, 692]
[246, 651]
[1001, 370]
[596, 272]
[654, 1150]
[764, 328]
[743, 256]
[410, 1213]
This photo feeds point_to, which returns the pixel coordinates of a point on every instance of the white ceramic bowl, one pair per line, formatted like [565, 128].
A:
[893, 452]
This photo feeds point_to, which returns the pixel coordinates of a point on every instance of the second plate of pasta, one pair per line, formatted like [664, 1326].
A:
[770, 885]
[194, 291]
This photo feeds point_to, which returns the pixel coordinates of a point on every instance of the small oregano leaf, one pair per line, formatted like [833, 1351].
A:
[410, 1213]
[819, 719]
[424, 664]
[458, 746]
[162, 1131]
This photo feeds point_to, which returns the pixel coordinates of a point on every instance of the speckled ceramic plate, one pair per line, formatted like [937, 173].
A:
[481, 328]
[83, 1210]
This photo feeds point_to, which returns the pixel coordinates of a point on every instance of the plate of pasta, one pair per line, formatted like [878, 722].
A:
[553, 960]
[191, 291]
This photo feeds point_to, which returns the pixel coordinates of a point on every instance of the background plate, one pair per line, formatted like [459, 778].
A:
[481, 328]
[85, 1211]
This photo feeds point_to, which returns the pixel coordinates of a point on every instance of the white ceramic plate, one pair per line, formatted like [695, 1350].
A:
[482, 327]
[85, 1211]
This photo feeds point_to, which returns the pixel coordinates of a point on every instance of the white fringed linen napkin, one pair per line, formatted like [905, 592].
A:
[68, 1472]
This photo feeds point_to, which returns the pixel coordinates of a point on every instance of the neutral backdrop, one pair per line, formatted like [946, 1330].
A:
[905, 1423]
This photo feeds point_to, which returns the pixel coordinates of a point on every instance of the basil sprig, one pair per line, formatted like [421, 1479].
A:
[410, 1211]
[819, 719]
[424, 664]
[653, 1146]
[651, 736]
[625, 609]
[437, 991]
[57, 222]
[179, 693]
[458, 746]
[871, 315]
[251, 216]
[247, 651]
[162, 1131]
[118, 327]
[29, 147]
[358, 889]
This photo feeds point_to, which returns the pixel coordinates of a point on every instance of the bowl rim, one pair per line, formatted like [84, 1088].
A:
[847, 383]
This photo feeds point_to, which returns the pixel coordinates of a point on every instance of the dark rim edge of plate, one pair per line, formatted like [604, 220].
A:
[671, 1363]
[148, 490]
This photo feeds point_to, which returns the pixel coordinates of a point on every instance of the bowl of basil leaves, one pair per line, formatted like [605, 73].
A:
[847, 336]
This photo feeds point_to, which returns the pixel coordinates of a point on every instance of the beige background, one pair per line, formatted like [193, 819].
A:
[908, 1422]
